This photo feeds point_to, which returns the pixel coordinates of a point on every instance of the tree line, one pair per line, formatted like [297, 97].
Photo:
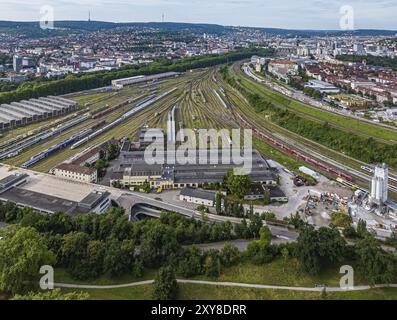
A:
[371, 60]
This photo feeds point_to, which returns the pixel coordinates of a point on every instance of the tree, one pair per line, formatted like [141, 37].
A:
[255, 225]
[114, 261]
[212, 264]
[265, 236]
[331, 246]
[113, 151]
[74, 254]
[165, 285]
[362, 231]
[319, 248]
[307, 250]
[55, 294]
[266, 196]
[22, 252]
[378, 266]
[191, 262]
[349, 232]
[285, 255]
[238, 185]
[229, 255]
[158, 244]
[218, 205]
[100, 166]
[341, 220]
[251, 209]
[95, 257]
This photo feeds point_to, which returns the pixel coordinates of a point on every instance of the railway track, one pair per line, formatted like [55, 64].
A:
[307, 151]
[267, 91]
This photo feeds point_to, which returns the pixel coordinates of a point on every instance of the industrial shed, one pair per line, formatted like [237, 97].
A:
[25, 112]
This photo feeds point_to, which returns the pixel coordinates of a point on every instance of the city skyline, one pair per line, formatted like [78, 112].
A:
[313, 14]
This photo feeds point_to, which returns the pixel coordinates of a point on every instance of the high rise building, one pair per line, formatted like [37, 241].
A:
[27, 62]
[359, 49]
[17, 63]
[380, 184]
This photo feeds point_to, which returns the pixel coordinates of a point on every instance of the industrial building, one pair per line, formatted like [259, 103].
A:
[322, 86]
[380, 185]
[257, 192]
[120, 83]
[197, 196]
[11, 190]
[131, 169]
[25, 112]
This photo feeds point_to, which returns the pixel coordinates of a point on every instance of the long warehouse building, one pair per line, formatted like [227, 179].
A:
[25, 112]
[120, 83]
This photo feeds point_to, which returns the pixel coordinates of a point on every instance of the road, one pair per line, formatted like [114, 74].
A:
[227, 284]
[128, 200]
[76, 191]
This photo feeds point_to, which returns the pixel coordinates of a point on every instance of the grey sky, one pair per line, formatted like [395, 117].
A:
[296, 14]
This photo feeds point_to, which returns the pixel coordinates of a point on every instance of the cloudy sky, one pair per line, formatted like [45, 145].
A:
[296, 14]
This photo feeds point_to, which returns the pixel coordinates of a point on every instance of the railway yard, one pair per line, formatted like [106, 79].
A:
[202, 100]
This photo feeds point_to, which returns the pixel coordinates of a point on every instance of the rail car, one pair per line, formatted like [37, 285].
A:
[115, 123]
[98, 125]
[251, 75]
[56, 148]
[294, 152]
[105, 111]
[45, 136]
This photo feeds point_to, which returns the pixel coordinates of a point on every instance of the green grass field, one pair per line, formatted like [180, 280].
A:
[207, 292]
[278, 273]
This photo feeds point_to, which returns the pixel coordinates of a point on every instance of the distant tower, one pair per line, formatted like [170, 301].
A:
[17, 63]
[89, 16]
[163, 18]
[380, 185]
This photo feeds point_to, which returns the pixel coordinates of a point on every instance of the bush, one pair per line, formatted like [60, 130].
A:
[165, 285]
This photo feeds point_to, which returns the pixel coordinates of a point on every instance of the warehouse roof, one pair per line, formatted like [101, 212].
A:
[198, 193]
[76, 168]
[38, 201]
[93, 199]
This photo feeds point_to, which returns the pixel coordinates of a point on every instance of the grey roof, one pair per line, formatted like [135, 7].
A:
[144, 169]
[11, 180]
[276, 192]
[38, 201]
[93, 199]
[198, 193]
[44, 202]
[193, 173]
